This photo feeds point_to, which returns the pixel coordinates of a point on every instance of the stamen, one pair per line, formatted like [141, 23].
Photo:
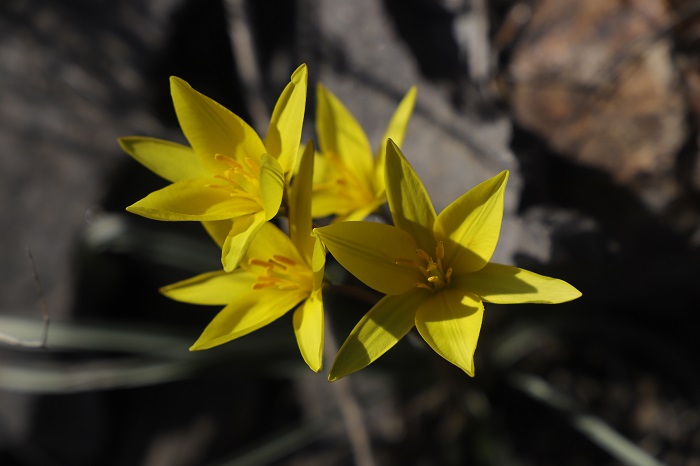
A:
[228, 160]
[284, 260]
[259, 263]
[423, 286]
[440, 250]
[260, 286]
[252, 164]
[448, 275]
[423, 255]
[273, 262]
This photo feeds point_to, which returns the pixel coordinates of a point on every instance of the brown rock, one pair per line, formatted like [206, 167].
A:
[597, 81]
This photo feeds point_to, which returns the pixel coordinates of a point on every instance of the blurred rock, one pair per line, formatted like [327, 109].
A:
[597, 81]
[70, 84]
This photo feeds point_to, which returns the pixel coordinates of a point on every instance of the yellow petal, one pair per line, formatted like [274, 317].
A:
[300, 204]
[239, 238]
[193, 199]
[450, 323]
[380, 329]
[167, 159]
[308, 329]
[369, 251]
[247, 313]
[469, 227]
[326, 202]
[505, 284]
[284, 133]
[395, 131]
[318, 263]
[213, 129]
[271, 185]
[360, 214]
[340, 134]
[409, 203]
[270, 241]
[218, 230]
[212, 288]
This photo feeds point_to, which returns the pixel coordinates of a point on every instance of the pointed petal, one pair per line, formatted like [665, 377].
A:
[270, 241]
[360, 214]
[409, 203]
[369, 251]
[271, 185]
[212, 288]
[505, 284]
[192, 199]
[213, 129]
[308, 329]
[284, 134]
[326, 202]
[450, 323]
[218, 230]
[300, 204]
[318, 262]
[247, 313]
[380, 329]
[340, 134]
[469, 227]
[166, 159]
[239, 238]
[395, 131]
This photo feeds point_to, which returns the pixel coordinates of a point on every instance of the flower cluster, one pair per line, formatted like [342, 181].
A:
[433, 268]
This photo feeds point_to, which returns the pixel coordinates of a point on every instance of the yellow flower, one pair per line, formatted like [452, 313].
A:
[228, 178]
[348, 181]
[277, 274]
[434, 269]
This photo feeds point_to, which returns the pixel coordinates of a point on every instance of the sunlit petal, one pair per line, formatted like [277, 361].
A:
[239, 238]
[308, 329]
[247, 313]
[360, 214]
[284, 133]
[212, 288]
[167, 159]
[340, 134]
[409, 203]
[380, 329]
[505, 284]
[270, 241]
[212, 129]
[369, 251]
[450, 323]
[271, 185]
[470, 226]
[395, 131]
[193, 199]
[300, 204]
[327, 202]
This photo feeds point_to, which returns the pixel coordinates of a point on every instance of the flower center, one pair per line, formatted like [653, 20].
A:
[282, 273]
[436, 277]
[344, 183]
[241, 180]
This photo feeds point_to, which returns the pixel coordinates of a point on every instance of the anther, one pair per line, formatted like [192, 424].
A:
[284, 260]
[260, 263]
[252, 164]
[423, 255]
[440, 250]
[259, 286]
